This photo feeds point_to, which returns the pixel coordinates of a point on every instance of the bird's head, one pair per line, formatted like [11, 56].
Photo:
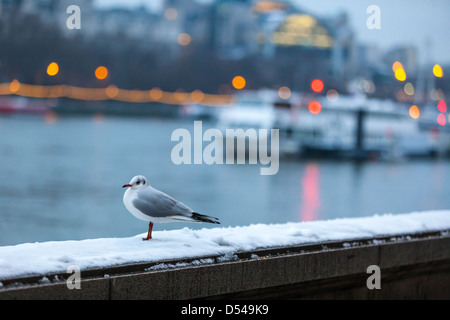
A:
[136, 183]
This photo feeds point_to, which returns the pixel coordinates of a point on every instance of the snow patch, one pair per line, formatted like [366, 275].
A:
[55, 256]
[43, 280]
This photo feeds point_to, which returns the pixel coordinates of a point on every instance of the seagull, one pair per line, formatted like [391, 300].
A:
[151, 205]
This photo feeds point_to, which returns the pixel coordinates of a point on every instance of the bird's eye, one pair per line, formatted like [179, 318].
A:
[138, 182]
[143, 182]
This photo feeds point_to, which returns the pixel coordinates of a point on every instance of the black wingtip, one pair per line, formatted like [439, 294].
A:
[204, 218]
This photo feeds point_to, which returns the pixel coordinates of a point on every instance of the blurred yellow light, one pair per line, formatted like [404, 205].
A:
[396, 66]
[437, 71]
[400, 74]
[284, 93]
[197, 96]
[332, 95]
[414, 112]
[14, 86]
[171, 13]
[302, 30]
[409, 89]
[156, 94]
[101, 72]
[238, 82]
[111, 91]
[52, 69]
[306, 20]
[184, 39]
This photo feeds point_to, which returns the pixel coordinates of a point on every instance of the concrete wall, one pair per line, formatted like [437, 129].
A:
[412, 267]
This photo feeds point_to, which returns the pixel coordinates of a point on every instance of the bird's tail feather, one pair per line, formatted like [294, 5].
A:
[204, 218]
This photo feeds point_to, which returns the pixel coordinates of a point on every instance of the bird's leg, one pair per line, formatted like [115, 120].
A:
[149, 233]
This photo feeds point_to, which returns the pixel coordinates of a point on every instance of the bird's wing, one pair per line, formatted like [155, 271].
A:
[155, 203]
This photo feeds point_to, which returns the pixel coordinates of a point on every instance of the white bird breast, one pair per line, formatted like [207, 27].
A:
[128, 198]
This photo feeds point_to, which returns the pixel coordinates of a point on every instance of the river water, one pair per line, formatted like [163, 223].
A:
[61, 178]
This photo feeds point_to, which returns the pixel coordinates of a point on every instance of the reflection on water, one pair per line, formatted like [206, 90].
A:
[61, 178]
[310, 193]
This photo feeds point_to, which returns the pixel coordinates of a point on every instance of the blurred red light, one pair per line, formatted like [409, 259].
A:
[314, 107]
[442, 106]
[441, 119]
[317, 85]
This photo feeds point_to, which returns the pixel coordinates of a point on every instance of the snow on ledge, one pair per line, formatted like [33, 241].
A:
[56, 256]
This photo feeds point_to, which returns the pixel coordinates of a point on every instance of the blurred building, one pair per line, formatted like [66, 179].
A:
[265, 27]
[280, 43]
[55, 11]
[234, 29]
[407, 55]
[299, 43]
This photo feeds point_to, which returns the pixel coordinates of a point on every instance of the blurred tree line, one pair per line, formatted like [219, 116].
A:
[28, 46]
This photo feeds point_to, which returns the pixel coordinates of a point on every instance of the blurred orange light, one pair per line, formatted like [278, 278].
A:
[437, 71]
[14, 86]
[317, 85]
[284, 93]
[396, 65]
[101, 73]
[180, 95]
[136, 95]
[238, 82]
[197, 96]
[400, 74]
[52, 69]
[442, 106]
[267, 6]
[414, 112]
[111, 91]
[184, 39]
[441, 119]
[314, 107]
[156, 94]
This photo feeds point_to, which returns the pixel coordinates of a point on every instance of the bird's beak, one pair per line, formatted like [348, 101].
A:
[126, 185]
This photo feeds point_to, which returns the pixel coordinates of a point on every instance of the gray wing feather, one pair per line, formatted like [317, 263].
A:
[155, 203]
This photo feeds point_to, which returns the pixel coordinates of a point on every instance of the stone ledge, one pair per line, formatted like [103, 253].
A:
[412, 266]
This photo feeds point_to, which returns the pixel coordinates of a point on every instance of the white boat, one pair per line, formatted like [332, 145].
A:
[252, 109]
[369, 127]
